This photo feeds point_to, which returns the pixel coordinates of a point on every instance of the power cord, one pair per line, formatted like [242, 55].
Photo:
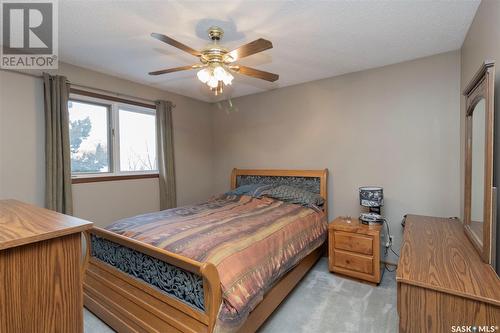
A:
[390, 239]
[389, 270]
[387, 248]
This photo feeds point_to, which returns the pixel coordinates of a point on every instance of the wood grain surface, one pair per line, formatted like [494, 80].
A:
[99, 179]
[427, 310]
[353, 242]
[354, 225]
[353, 261]
[42, 290]
[22, 223]
[436, 254]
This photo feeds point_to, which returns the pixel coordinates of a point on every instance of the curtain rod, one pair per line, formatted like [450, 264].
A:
[39, 76]
[109, 92]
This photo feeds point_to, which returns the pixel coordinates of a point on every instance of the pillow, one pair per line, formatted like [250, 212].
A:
[254, 190]
[294, 195]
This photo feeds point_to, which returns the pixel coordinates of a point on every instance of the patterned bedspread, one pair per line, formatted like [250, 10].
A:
[252, 242]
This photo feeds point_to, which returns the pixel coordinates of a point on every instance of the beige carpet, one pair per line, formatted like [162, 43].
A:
[323, 302]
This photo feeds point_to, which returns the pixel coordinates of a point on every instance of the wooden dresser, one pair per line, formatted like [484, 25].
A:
[354, 249]
[40, 270]
[442, 281]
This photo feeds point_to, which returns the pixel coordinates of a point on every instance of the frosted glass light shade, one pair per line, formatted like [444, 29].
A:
[203, 75]
[214, 74]
[219, 73]
[213, 82]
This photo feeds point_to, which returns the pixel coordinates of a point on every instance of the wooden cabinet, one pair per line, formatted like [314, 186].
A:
[40, 270]
[442, 281]
[354, 249]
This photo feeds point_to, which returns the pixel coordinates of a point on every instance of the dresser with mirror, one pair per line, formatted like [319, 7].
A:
[445, 277]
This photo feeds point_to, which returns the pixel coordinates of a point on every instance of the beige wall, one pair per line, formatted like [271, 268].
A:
[22, 148]
[106, 202]
[481, 43]
[396, 126]
[21, 138]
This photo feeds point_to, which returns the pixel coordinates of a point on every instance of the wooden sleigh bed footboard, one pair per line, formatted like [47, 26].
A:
[131, 304]
[115, 291]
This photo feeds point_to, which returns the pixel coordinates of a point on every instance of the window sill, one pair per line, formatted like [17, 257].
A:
[96, 179]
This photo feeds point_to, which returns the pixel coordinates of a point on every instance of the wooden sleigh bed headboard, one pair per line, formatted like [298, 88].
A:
[312, 180]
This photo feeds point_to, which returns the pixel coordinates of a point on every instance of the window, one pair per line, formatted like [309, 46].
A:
[111, 139]
[89, 137]
[137, 140]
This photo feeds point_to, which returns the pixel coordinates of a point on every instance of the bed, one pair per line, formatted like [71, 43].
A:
[139, 280]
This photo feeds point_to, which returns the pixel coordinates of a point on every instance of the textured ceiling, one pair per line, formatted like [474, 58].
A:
[312, 40]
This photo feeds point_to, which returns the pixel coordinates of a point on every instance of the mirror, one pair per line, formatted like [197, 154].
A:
[479, 203]
[477, 170]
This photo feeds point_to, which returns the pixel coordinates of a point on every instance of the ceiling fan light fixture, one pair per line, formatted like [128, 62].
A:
[217, 66]
[219, 73]
[214, 74]
[204, 75]
[223, 75]
[213, 82]
[228, 79]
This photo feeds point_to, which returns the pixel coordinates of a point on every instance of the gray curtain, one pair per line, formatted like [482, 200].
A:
[58, 195]
[165, 153]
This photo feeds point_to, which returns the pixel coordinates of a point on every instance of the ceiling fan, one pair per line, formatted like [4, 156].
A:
[217, 62]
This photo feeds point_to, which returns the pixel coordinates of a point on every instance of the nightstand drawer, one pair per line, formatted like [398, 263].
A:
[353, 262]
[353, 242]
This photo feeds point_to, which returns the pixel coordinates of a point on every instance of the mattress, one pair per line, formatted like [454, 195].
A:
[252, 242]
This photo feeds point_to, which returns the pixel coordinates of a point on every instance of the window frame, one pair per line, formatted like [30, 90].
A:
[109, 136]
[116, 136]
[113, 114]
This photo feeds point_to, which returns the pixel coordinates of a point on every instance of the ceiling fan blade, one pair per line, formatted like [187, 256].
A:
[256, 46]
[175, 69]
[174, 43]
[256, 73]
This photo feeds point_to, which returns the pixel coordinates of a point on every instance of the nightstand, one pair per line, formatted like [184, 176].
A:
[355, 249]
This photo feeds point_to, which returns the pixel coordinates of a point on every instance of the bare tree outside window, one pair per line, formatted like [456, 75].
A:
[132, 146]
[137, 141]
